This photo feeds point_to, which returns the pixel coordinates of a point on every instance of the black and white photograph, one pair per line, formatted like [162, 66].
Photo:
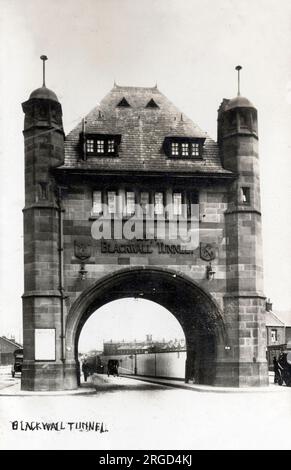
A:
[145, 238]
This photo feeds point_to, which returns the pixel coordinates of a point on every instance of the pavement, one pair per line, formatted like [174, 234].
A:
[10, 386]
[208, 388]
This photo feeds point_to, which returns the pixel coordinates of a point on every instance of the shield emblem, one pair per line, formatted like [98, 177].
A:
[82, 249]
[207, 251]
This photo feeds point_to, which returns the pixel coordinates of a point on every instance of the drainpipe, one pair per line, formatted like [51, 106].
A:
[61, 270]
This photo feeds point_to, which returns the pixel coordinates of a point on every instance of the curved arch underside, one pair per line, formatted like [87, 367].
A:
[195, 310]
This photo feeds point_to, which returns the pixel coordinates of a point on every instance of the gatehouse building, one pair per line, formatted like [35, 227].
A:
[137, 159]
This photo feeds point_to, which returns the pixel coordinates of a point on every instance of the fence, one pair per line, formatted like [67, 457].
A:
[162, 364]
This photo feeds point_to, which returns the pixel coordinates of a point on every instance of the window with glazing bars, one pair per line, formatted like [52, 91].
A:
[110, 147]
[97, 202]
[111, 197]
[100, 146]
[130, 202]
[185, 149]
[90, 146]
[195, 149]
[159, 203]
[144, 201]
[175, 148]
[177, 203]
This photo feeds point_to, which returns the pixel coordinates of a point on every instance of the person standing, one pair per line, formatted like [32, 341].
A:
[85, 369]
[276, 370]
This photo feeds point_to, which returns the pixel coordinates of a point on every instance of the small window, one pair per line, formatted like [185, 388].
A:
[177, 203]
[123, 103]
[152, 104]
[97, 202]
[246, 195]
[90, 146]
[175, 148]
[274, 336]
[159, 203]
[195, 149]
[144, 201]
[185, 149]
[193, 204]
[100, 146]
[111, 148]
[111, 197]
[43, 190]
[130, 202]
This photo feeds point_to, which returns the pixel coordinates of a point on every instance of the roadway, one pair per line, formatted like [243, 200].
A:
[133, 414]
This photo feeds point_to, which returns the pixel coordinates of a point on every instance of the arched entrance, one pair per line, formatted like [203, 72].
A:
[195, 310]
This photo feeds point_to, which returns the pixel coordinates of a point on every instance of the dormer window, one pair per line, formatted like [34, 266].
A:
[100, 145]
[152, 104]
[181, 147]
[123, 103]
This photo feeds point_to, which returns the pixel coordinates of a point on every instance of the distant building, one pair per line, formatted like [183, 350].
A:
[278, 328]
[285, 317]
[142, 347]
[275, 328]
[7, 348]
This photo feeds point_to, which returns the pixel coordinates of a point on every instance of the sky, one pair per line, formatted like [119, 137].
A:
[190, 49]
[129, 320]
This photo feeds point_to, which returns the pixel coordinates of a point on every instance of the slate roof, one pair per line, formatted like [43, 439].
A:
[143, 130]
[272, 319]
[11, 342]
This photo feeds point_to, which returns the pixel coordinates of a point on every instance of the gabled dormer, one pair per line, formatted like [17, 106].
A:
[152, 104]
[123, 103]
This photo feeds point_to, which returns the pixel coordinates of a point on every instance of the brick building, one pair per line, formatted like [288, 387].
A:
[142, 347]
[285, 318]
[278, 329]
[137, 148]
[7, 348]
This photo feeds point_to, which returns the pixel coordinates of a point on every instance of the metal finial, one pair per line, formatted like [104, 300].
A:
[43, 58]
[238, 68]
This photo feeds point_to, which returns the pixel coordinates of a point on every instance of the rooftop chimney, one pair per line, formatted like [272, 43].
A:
[269, 306]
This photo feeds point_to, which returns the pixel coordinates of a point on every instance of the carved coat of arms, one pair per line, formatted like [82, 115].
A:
[207, 251]
[82, 249]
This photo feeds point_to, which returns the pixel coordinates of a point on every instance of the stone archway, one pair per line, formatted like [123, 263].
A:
[196, 311]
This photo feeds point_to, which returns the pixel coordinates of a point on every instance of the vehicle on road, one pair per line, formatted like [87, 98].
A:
[284, 363]
[112, 367]
[18, 360]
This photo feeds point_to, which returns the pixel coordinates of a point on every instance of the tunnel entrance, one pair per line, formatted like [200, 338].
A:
[195, 310]
[143, 336]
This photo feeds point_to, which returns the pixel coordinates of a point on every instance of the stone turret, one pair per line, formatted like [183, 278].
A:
[44, 150]
[245, 301]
